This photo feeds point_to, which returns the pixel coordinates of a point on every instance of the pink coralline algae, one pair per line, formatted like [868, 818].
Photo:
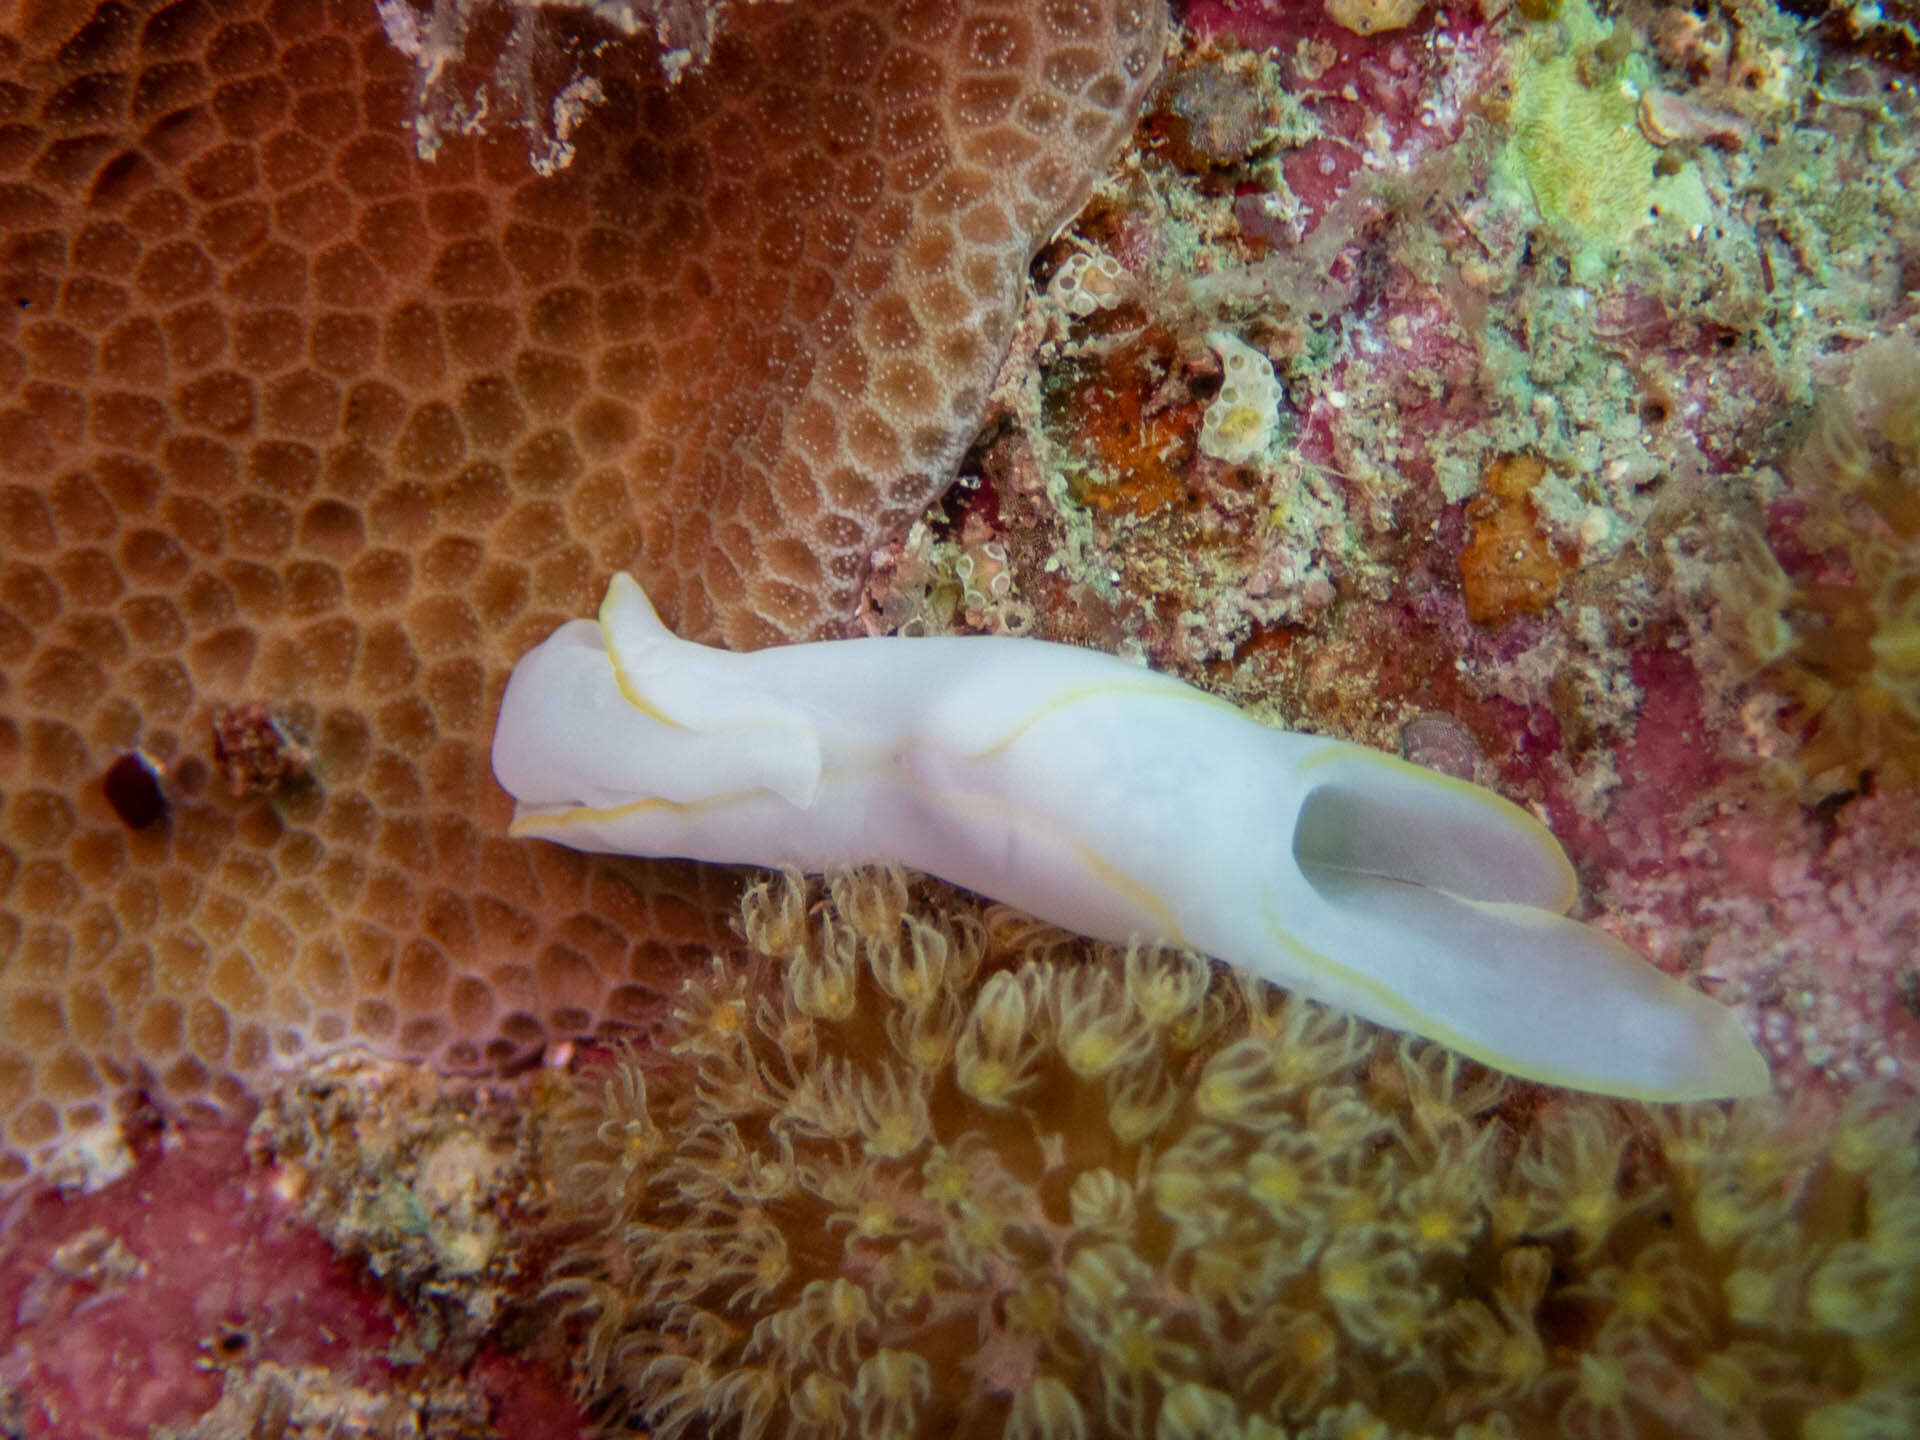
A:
[194, 1298]
[1385, 100]
[1811, 918]
[119, 1311]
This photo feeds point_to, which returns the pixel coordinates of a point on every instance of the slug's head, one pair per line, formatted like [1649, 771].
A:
[607, 715]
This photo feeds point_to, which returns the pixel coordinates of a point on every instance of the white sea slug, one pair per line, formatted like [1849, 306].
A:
[1116, 802]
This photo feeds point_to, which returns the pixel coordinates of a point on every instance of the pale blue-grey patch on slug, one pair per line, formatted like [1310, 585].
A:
[1113, 801]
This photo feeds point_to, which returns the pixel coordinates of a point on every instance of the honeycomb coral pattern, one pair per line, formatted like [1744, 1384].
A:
[300, 426]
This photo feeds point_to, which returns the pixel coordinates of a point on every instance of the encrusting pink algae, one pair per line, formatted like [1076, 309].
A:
[1571, 445]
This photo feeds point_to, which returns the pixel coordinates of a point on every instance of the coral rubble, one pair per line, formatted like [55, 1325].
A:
[1514, 452]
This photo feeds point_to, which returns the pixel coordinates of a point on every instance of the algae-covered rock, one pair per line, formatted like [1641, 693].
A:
[1576, 146]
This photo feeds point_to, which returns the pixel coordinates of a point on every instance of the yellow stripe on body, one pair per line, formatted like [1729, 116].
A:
[533, 824]
[547, 824]
[1128, 888]
[1161, 687]
[1110, 875]
[624, 682]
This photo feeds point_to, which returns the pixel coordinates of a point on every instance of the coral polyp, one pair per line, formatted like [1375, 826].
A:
[919, 1168]
[1839, 636]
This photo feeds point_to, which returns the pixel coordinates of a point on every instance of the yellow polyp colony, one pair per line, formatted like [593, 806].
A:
[1841, 642]
[305, 439]
[919, 1168]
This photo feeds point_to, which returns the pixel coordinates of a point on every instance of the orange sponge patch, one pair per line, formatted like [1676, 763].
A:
[1508, 567]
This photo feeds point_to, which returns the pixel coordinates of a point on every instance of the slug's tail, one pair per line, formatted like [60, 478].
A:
[1440, 911]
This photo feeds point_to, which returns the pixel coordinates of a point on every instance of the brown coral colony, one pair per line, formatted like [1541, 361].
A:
[305, 438]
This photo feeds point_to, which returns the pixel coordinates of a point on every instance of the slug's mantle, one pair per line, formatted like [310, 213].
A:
[1114, 801]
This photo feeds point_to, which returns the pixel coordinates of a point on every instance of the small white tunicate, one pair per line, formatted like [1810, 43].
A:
[1239, 424]
[1085, 283]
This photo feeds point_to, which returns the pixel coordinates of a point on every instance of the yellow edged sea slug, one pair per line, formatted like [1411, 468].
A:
[1116, 802]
